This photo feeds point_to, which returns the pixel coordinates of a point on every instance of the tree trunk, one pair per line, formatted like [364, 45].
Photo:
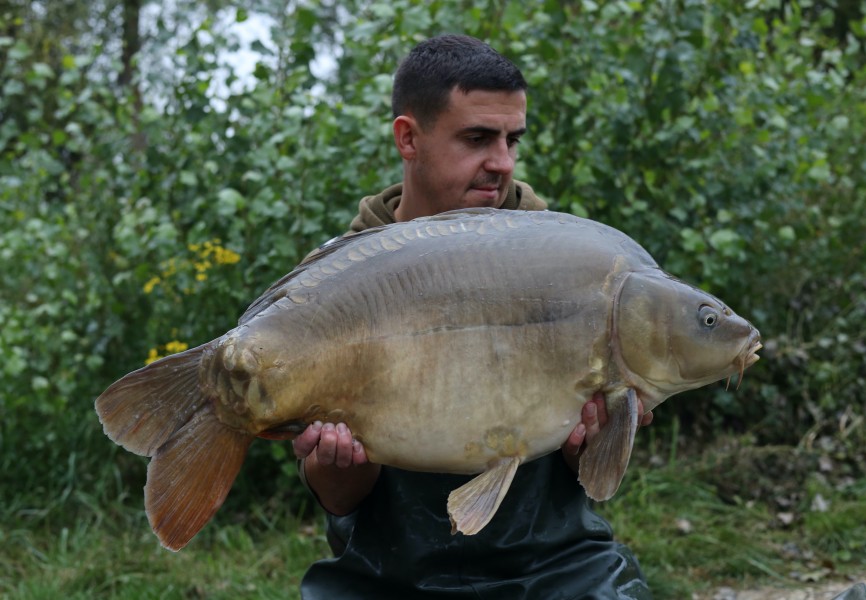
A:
[127, 79]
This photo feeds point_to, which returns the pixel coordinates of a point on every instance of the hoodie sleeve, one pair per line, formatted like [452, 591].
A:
[522, 197]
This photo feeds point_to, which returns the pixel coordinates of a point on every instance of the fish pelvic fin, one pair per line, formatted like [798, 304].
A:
[472, 505]
[189, 477]
[142, 410]
[602, 465]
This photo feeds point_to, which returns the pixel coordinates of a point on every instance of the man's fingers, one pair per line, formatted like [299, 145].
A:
[589, 416]
[326, 451]
[333, 445]
[601, 408]
[575, 440]
[343, 449]
[647, 419]
[643, 418]
[305, 443]
[359, 454]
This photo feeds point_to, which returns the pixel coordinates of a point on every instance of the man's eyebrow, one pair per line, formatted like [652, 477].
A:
[480, 129]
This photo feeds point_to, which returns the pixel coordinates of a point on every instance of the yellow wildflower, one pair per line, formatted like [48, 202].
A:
[152, 356]
[151, 283]
[201, 277]
[224, 256]
[176, 346]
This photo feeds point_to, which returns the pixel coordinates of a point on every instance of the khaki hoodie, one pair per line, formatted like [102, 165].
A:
[377, 210]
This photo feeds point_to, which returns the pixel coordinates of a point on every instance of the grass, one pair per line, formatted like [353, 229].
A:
[695, 522]
[691, 538]
[99, 558]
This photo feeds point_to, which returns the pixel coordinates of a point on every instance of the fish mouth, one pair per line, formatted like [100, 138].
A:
[748, 357]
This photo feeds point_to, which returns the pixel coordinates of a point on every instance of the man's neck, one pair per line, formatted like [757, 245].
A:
[407, 210]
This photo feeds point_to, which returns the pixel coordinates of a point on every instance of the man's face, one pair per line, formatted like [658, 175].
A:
[466, 158]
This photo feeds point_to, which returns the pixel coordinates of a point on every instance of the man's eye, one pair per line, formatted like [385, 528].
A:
[513, 142]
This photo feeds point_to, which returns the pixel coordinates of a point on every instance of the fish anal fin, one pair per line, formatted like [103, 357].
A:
[190, 476]
[472, 505]
[603, 463]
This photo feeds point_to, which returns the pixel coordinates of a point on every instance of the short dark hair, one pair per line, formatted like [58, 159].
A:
[434, 67]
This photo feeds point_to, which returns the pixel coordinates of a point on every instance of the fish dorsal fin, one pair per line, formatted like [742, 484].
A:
[603, 463]
[472, 505]
[190, 476]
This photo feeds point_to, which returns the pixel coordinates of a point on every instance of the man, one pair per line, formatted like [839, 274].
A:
[459, 113]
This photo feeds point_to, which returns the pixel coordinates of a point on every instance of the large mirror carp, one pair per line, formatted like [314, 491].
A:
[466, 342]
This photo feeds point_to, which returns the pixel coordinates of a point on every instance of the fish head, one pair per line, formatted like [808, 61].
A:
[676, 337]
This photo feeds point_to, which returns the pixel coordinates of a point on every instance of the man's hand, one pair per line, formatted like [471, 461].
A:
[333, 445]
[335, 466]
[593, 417]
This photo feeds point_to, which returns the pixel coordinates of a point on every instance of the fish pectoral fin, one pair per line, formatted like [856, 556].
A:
[603, 463]
[472, 505]
[190, 475]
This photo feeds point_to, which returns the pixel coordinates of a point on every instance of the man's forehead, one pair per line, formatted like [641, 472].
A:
[458, 95]
[487, 105]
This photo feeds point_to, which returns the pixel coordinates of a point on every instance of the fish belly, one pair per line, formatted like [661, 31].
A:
[452, 401]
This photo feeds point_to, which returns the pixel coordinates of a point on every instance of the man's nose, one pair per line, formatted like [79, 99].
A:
[501, 158]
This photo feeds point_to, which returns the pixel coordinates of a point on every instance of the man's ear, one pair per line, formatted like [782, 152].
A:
[406, 136]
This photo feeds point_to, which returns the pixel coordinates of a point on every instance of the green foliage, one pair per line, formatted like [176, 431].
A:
[724, 136]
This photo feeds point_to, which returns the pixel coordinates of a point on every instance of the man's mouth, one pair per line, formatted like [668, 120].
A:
[485, 186]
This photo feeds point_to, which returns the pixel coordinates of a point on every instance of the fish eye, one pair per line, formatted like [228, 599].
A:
[708, 316]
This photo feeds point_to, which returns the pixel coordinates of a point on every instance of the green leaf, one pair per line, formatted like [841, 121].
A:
[692, 241]
[13, 88]
[820, 170]
[229, 202]
[20, 51]
[42, 70]
[724, 240]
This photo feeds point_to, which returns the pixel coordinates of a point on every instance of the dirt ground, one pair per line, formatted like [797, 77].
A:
[816, 591]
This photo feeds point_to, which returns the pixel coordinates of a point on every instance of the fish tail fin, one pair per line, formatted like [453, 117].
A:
[161, 411]
[190, 476]
[604, 462]
[142, 410]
